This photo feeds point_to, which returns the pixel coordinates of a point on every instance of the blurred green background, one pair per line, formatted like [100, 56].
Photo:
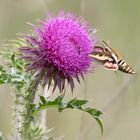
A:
[116, 94]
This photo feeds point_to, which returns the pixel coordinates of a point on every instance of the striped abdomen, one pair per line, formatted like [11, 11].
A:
[124, 67]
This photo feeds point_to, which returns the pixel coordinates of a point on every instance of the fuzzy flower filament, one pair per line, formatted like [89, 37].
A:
[60, 49]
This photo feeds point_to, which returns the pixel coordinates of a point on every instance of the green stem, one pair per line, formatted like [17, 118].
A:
[17, 116]
[28, 118]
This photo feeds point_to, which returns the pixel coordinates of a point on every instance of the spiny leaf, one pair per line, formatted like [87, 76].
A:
[43, 100]
[96, 114]
[76, 103]
[16, 63]
[100, 125]
[72, 104]
[15, 75]
[93, 112]
[4, 76]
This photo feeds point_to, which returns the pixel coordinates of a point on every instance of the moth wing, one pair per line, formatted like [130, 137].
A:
[98, 54]
[117, 53]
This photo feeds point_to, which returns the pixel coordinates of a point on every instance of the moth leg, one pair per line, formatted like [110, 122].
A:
[110, 66]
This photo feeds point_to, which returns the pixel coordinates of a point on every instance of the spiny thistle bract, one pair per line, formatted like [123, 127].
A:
[59, 48]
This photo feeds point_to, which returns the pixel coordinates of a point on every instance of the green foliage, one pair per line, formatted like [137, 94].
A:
[1, 137]
[25, 85]
[4, 76]
[36, 133]
[72, 104]
[13, 71]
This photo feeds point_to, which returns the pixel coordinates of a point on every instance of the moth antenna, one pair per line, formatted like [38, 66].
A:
[106, 44]
[103, 43]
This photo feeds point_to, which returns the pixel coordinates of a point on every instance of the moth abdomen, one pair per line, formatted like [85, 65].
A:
[124, 67]
[121, 62]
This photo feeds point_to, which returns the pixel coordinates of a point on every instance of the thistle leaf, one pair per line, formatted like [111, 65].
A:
[72, 104]
[4, 76]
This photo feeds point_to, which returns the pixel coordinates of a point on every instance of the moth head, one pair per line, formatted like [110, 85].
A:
[106, 50]
[113, 53]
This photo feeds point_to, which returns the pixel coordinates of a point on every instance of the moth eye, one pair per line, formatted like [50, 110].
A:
[106, 50]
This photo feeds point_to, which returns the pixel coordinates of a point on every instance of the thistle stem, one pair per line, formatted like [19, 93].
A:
[18, 117]
[28, 118]
[43, 115]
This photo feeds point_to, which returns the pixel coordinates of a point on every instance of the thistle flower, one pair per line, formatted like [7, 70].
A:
[60, 49]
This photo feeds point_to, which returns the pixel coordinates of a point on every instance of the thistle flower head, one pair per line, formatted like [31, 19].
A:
[60, 49]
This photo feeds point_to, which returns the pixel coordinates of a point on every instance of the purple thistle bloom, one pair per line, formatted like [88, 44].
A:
[60, 50]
